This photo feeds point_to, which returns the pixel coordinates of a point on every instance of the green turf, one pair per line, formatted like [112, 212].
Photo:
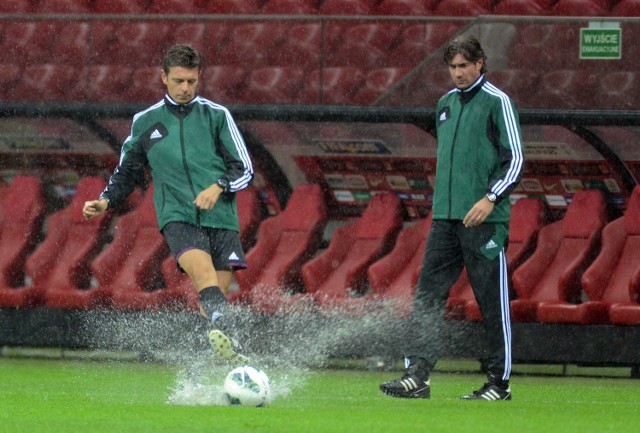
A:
[54, 396]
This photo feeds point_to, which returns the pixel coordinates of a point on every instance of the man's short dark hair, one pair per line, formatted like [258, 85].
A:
[469, 47]
[182, 55]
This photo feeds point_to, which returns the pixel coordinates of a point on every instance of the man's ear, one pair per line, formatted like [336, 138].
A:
[163, 76]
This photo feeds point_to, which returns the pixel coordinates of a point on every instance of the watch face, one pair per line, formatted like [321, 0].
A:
[492, 197]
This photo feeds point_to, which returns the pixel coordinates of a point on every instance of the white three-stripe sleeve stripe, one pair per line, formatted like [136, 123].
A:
[240, 145]
[514, 140]
[506, 315]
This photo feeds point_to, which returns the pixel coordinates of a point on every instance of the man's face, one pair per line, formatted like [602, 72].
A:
[464, 72]
[181, 83]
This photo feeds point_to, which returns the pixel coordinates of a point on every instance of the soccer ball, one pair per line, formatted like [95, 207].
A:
[247, 386]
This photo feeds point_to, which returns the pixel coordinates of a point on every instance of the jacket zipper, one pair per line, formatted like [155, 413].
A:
[453, 144]
[184, 162]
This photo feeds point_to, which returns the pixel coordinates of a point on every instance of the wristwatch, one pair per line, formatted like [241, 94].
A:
[492, 197]
[222, 183]
[104, 197]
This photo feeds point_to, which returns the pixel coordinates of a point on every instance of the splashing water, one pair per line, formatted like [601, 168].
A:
[287, 346]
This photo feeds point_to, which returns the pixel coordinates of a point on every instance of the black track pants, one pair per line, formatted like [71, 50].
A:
[450, 247]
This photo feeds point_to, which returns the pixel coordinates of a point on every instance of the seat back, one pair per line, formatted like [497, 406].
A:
[381, 219]
[306, 209]
[611, 276]
[249, 215]
[21, 218]
[285, 242]
[132, 259]
[586, 215]
[342, 267]
[71, 242]
[528, 215]
[632, 214]
[558, 278]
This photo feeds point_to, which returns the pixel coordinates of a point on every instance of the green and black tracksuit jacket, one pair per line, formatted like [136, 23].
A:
[188, 147]
[479, 151]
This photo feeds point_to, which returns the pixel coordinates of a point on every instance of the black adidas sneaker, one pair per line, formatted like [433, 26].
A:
[489, 392]
[407, 386]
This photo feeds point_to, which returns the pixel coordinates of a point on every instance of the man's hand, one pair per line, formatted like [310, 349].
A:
[208, 198]
[478, 213]
[94, 208]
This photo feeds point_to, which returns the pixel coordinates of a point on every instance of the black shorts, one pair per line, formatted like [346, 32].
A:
[223, 245]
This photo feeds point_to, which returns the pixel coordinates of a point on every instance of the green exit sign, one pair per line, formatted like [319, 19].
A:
[600, 43]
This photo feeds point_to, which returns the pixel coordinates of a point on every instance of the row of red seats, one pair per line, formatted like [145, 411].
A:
[301, 44]
[560, 272]
[266, 43]
[580, 269]
[232, 84]
[330, 7]
[59, 272]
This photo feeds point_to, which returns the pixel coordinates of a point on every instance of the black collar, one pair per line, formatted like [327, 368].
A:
[179, 110]
[468, 93]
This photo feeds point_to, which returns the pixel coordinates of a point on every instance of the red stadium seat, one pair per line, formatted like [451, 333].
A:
[520, 84]
[346, 7]
[289, 7]
[21, 217]
[553, 46]
[340, 272]
[272, 85]
[119, 6]
[16, 6]
[10, 78]
[568, 89]
[460, 8]
[626, 8]
[249, 215]
[564, 250]
[405, 7]
[72, 45]
[59, 268]
[394, 276]
[108, 83]
[417, 41]
[612, 281]
[520, 7]
[333, 86]
[618, 90]
[193, 34]
[285, 242]
[579, 8]
[174, 7]
[28, 42]
[301, 46]
[377, 83]
[50, 83]
[223, 83]
[528, 216]
[146, 85]
[207, 37]
[63, 6]
[364, 46]
[143, 43]
[251, 44]
[232, 7]
[178, 294]
[428, 96]
[127, 269]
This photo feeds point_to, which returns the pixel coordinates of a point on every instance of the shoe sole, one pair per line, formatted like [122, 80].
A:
[418, 393]
[222, 345]
[487, 396]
